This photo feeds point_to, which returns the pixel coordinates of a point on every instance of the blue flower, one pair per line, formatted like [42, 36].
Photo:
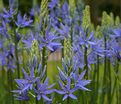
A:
[3, 29]
[64, 31]
[53, 4]
[86, 41]
[23, 22]
[29, 39]
[79, 57]
[65, 9]
[20, 87]
[8, 14]
[13, 3]
[18, 37]
[35, 10]
[1, 43]
[68, 68]
[65, 15]
[80, 83]
[43, 90]
[97, 50]
[113, 50]
[24, 96]
[20, 94]
[67, 91]
[55, 17]
[28, 81]
[7, 58]
[41, 71]
[50, 41]
[117, 33]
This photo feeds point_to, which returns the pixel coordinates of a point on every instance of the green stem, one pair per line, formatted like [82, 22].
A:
[97, 86]
[17, 60]
[80, 97]
[86, 62]
[93, 85]
[72, 35]
[8, 82]
[68, 100]
[109, 82]
[16, 52]
[86, 68]
[3, 71]
[114, 89]
[116, 69]
[83, 100]
[62, 48]
[36, 101]
[119, 93]
[3, 75]
[41, 101]
[23, 59]
[44, 60]
[15, 31]
[10, 86]
[104, 75]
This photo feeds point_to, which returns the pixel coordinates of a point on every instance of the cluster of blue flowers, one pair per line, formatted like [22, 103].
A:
[49, 34]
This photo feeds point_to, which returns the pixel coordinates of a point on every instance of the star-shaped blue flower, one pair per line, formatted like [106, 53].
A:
[53, 4]
[23, 21]
[8, 14]
[80, 82]
[43, 90]
[49, 41]
[66, 90]
[28, 81]
[86, 41]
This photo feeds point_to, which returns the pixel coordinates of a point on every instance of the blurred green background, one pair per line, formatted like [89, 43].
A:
[97, 7]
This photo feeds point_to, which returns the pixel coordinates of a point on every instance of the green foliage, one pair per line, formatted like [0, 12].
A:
[1, 4]
[112, 18]
[107, 20]
[79, 2]
[34, 49]
[86, 22]
[67, 48]
[72, 6]
[117, 21]
[43, 11]
[34, 4]
[44, 8]
[98, 32]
